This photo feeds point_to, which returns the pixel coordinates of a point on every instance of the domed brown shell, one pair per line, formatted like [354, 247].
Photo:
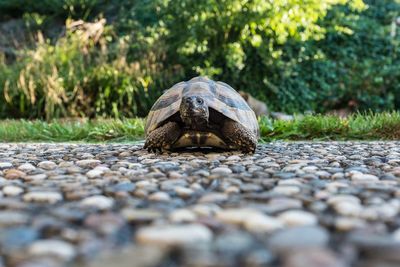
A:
[218, 95]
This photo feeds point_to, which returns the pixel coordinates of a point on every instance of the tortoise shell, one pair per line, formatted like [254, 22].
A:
[218, 95]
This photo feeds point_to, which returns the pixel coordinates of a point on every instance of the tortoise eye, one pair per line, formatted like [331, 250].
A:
[199, 101]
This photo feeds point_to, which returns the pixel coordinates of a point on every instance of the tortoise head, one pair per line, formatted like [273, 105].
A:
[194, 111]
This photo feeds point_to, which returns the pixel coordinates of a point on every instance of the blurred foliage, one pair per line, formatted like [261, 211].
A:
[294, 55]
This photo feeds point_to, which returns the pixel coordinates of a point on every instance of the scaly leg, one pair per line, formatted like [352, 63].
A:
[162, 137]
[239, 136]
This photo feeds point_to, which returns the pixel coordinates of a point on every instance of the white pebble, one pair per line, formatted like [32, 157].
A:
[5, 165]
[182, 215]
[100, 202]
[174, 235]
[88, 163]
[47, 165]
[286, 190]
[221, 170]
[160, 196]
[297, 218]
[361, 177]
[95, 173]
[43, 197]
[55, 248]
[26, 167]
[183, 192]
[12, 190]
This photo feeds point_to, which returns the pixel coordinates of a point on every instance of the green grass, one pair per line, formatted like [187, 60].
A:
[382, 126]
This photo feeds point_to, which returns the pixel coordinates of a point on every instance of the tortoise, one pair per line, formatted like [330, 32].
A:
[201, 113]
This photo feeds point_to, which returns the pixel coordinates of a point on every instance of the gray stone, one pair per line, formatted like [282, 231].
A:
[172, 235]
[298, 238]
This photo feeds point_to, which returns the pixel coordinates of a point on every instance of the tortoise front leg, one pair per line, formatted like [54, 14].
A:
[239, 136]
[162, 137]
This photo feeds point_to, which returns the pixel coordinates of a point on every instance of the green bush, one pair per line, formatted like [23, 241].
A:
[85, 73]
[295, 56]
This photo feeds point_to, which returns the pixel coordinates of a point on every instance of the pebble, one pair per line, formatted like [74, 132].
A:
[182, 215]
[17, 237]
[160, 196]
[53, 248]
[289, 204]
[47, 165]
[221, 170]
[12, 218]
[100, 202]
[299, 238]
[183, 192]
[361, 177]
[173, 235]
[88, 163]
[5, 165]
[316, 257]
[26, 167]
[13, 174]
[11, 190]
[297, 218]
[252, 220]
[43, 197]
[95, 173]
[286, 190]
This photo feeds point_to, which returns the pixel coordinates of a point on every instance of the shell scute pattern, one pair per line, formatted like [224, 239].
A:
[218, 95]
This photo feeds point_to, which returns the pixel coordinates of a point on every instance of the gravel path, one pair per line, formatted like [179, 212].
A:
[319, 204]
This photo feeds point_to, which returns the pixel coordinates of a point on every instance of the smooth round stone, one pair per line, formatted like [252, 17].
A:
[310, 169]
[140, 215]
[182, 215]
[88, 163]
[95, 173]
[348, 208]
[17, 237]
[47, 165]
[235, 216]
[316, 257]
[221, 170]
[232, 190]
[234, 158]
[122, 187]
[338, 175]
[298, 238]
[349, 223]
[12, 174]
[173, 235]
[183, 192]
[43, 197]
[261, 223]
[12, 190]
[336, 199]
[53, 248]
[252, 220]
[297, 218]
[286, 190]
[5, 165]
[396, 234]
[362, 177]
[13, 218]
[26, 167]
[323, 174]
[175, 175]
[160, 196]
[206, 210]
[213, 197]
[36, 177]
[100, 202]
[166, 166]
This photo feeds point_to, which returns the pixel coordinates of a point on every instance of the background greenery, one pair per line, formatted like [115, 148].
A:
[102, 58]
